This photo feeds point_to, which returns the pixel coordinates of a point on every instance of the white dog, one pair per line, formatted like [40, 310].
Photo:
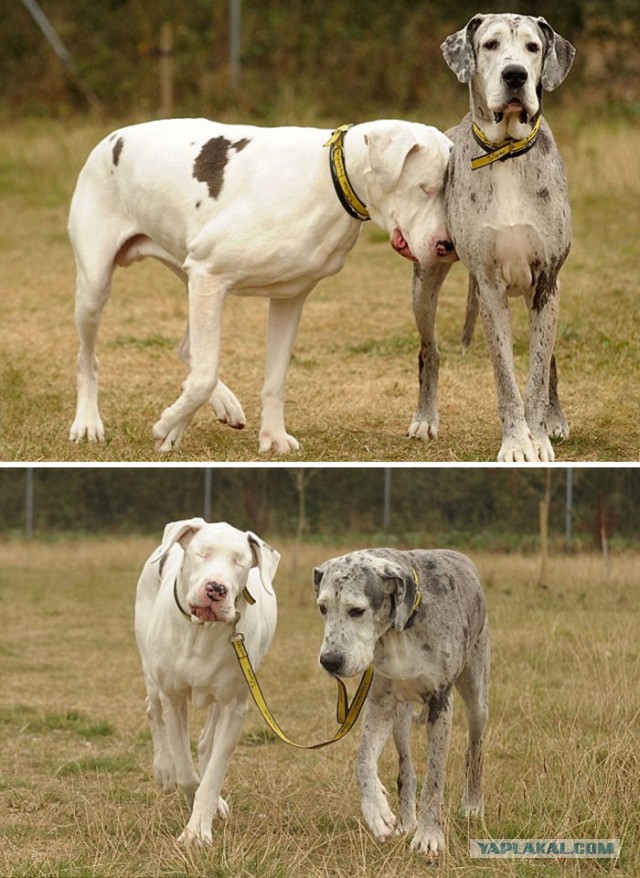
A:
[190, 590]
[246, 211]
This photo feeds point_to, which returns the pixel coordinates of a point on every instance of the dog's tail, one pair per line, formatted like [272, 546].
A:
[471, 315]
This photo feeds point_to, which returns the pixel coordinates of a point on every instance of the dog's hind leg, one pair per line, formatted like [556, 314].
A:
[471, 315]
[95, 246]
[473, 686]
[406, 772]
[174, 715]
[164, 769]
[557, 424]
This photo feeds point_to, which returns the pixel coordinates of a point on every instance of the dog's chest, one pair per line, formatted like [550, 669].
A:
[415, 671]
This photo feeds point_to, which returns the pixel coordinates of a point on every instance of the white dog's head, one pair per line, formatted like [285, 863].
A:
[404, 186]
[361, 596]
[508, 60]
[216, 564]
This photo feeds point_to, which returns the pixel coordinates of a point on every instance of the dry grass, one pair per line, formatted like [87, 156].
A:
[76, 793]
[353, 382]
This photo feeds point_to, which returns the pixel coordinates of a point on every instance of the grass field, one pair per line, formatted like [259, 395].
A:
[353, 381]
[76, 791]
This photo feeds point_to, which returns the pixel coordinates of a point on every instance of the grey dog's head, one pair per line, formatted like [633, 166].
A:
[361, 596]
[508, 60]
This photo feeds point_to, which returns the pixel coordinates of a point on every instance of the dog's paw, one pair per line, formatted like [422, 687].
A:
[223, 810]
[90, 428]
[557, 424]
[518, 448]
[226, 407]
[379, 818]
[424, 428]
[471, 810]
[282, 443]
[165, 778]
[543, 450]
[167, 438]
[405, 826]
[429, 840]
[198, 837]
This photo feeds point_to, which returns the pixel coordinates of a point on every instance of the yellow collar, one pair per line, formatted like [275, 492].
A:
[344, 190]
[417, 599]
[504, 149]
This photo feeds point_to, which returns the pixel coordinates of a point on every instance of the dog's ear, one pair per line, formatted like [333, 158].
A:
[388, 151]
[402, 586]
[318, 573]
[177, 532]
[558, 56]
[265, 558]
[459, 52]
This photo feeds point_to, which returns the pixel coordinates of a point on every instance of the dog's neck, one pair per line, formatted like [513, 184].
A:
[501, 127]
[348, 164]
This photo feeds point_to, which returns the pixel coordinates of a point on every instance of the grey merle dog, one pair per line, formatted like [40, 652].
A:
[509, 218]
[419, 617]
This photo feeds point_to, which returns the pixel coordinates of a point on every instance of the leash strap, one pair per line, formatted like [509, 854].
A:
[344, 190]
[505, 149]
[347, 713]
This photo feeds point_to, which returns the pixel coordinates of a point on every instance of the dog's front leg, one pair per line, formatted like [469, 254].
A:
[174, 714]
[377, 723]
[224, 403]
[208, 801]
[429, 836]
[284, 319]
[496, 320]
[426, 289]
[206, 302]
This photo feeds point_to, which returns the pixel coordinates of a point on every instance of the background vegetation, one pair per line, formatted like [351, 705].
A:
[476, 507]
[330, 58]
[77, 796]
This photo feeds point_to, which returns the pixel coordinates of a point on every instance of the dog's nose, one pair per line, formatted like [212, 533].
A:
[514, 75]
[216, 590]
[331, 662]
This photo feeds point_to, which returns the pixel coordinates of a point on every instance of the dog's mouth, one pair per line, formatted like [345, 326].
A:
[400, 245]
[513, 106]
[210, 613]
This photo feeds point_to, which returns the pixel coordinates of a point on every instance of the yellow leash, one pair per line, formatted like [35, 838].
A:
[347, 714]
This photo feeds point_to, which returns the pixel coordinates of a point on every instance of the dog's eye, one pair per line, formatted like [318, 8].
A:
[323, 609]
[491, 45]
[429, 192]
[533, 48]
[356, 612]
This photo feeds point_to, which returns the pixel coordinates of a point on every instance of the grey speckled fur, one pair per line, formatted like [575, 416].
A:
[420, 650]
[510, 222]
